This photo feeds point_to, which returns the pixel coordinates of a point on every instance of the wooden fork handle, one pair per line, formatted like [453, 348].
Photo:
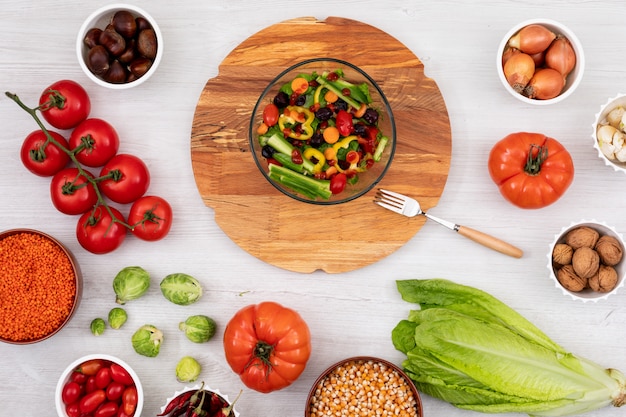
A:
[490, 241]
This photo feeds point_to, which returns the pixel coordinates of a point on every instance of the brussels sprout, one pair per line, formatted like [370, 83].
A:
[198, 328]
[181, 289]
[147, 340]
[97, 326]
[130, 283]
[188, 369]
[117, 317]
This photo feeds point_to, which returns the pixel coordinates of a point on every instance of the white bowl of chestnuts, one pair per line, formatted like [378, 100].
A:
[586, 260]
[540, 61]
[119, 46]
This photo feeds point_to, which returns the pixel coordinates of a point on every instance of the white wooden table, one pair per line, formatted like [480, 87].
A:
[351, 313]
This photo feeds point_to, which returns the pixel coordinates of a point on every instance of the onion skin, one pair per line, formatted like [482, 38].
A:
[508, 53]
[561, 56]
[518, 70]
[547, 83]
[532, 39]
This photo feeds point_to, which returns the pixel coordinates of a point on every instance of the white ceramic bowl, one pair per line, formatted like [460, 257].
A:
[65, 376]
[100, 19]
[601, 119]
[573, 79]
[588, 294]
[205, 388]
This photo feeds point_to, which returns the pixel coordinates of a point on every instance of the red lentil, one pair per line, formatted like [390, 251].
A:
[37, 286]
[363, 388]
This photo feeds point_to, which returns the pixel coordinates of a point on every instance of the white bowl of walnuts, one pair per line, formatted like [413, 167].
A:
[586, 260]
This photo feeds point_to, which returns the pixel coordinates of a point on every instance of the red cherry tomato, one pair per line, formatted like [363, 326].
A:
[78, 377]
[115, 390]
[64, 104]
[129, 180]
[344, 123]
[270, 114]
[108, 409]
[71, 192]
[121, 375]
[98, 142]
[73, 410]
[71, 392]
[338, 183]
[97, 233]
[91, 367]
[92, 401]
[42, 157]
[151, 217]
[103, 378]
[90, 385]
[129, 400]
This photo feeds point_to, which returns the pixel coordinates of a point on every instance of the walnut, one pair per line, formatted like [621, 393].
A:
[604, 280]
[582, 236]
[569, 280]
[562, 254]
[610, 250]
[585, 262]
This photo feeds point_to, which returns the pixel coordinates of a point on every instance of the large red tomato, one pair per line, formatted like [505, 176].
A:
[64, 104]
[531, 169]
[43, 157]
[267, 345]
[98, 142]
[151, 218]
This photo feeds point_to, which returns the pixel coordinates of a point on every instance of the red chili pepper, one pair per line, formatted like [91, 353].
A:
[91, 401]
[177, 402]
[129, 400]
[119, 374]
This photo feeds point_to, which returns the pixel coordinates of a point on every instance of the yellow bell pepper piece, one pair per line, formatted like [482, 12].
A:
[310, 153]
[302, 113]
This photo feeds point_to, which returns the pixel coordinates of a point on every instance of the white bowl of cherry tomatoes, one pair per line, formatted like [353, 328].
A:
[99, 385]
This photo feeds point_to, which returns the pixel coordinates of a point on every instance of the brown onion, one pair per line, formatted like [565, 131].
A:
[532, 39]
[561, 56]
[547, 83]
[518, 70]
[508, 53]
[539, 58]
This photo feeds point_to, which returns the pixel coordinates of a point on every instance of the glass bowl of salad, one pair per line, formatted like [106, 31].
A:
[322, 132]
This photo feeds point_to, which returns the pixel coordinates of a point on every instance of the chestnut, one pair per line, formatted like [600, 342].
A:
[142, 23]
[124, 23]
[91, 37]
[116, 73]
[147, 43]
[98, 60]
[140, 66]
[112, 41]
[129, 54]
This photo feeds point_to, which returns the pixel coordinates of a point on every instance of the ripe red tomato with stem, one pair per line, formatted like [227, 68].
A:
[530, 169]
[98, 233]
[71, 192]
[267, 345]
[42, 156]
[150, 218]
[64, 104]
[94, 142]
[124, 178]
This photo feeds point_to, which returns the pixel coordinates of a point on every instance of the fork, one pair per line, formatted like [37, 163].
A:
[410, 207]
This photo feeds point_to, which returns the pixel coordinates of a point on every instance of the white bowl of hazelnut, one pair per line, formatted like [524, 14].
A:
[586, 260]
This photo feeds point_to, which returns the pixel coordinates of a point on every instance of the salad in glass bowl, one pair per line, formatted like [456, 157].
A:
[323, 132]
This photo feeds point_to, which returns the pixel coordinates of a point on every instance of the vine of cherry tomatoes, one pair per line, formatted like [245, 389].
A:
[74, 189]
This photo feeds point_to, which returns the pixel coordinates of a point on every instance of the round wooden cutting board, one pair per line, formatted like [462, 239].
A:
[298, 236]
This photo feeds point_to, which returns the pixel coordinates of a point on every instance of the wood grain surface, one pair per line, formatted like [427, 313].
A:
[298, 236]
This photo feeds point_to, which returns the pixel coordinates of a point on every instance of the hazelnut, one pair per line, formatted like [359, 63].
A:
[585, 262]
[582, 236]
[562, 254]
[604, 280]
[609, 250]
[569, 280]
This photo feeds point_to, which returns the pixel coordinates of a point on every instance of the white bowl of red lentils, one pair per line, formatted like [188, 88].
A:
[363, 386]
[40, 286]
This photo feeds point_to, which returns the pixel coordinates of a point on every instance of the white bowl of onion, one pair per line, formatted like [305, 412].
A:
[609, 133]
[540, 61]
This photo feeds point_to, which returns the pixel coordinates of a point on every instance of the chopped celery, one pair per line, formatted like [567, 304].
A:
[339, 93]
[308, 186]
[380, 148]
[281, 145]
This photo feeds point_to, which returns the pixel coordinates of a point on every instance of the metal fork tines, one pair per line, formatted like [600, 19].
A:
[396, 202]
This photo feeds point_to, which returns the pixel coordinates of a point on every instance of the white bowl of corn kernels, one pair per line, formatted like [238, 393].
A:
[363, 386]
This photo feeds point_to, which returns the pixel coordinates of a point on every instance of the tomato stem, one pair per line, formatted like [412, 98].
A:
[535, 159]
[57, 100]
